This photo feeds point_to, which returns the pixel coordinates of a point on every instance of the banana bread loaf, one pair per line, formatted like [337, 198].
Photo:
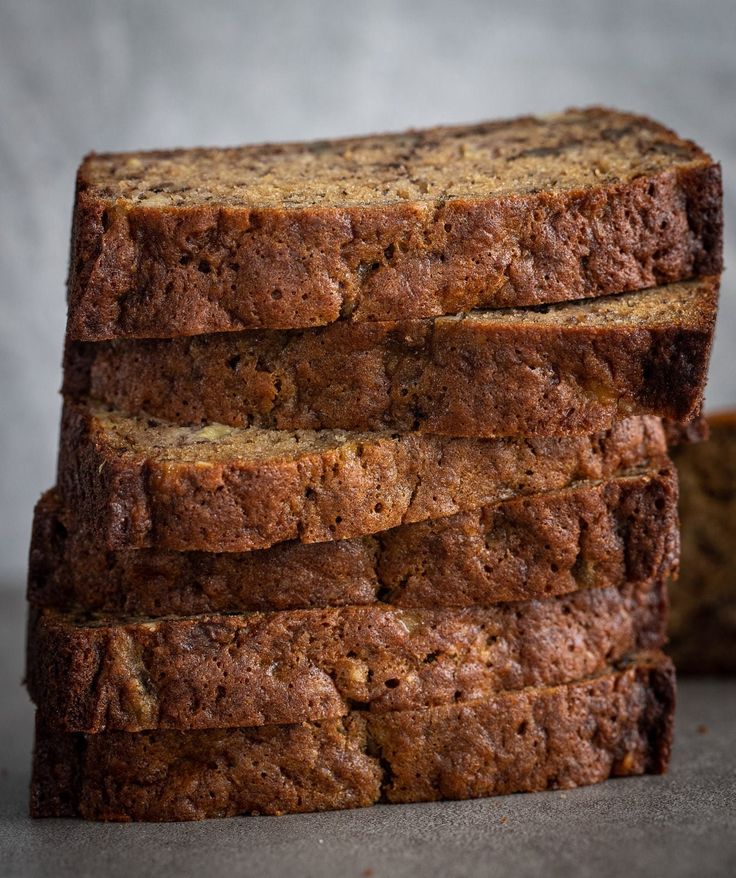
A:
[703, 617]
[591, 535]
[615, 724]
[135, 482]
[574, 368]
[91, 673]
[523, 212]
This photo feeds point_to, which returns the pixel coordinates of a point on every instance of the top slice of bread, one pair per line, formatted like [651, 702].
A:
[522, 212]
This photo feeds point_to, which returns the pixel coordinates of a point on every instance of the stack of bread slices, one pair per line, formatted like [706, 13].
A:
[363, 488]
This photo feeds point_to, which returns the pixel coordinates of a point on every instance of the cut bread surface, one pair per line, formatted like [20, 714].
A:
[570, 150]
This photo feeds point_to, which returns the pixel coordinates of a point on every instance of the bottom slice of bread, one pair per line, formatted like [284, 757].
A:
[615, 724]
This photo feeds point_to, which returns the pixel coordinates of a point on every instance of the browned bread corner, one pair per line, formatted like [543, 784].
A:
[615, 724]
[521, 212]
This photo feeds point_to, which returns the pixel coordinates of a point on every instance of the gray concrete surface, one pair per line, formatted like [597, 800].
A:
[682, 824]
[77, 75]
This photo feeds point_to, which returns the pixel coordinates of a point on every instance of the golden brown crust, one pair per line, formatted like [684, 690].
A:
[617, 724]
[703, 618]
[596, 202]
[587, 536]
[572, 368]
[91, 674]
[136, 483]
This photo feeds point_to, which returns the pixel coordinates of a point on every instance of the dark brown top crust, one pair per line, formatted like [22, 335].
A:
[616, 724]
[523, 212]
[569, 368]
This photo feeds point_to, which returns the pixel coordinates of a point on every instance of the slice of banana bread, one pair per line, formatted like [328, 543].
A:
[703, 617]
[91, 673]
[135, 482]
[615, 724]
[591, 535]
[569, 368]
[523, 212]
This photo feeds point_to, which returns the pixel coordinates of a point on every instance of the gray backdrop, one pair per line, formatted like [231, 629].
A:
[76, 76]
